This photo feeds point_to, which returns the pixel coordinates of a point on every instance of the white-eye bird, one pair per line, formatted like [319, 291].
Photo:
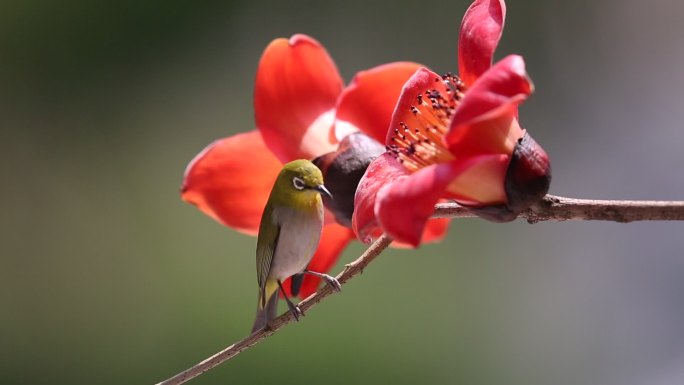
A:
[289, 233]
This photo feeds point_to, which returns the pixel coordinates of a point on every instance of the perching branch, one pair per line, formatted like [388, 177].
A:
[550, 208]
[348, 273]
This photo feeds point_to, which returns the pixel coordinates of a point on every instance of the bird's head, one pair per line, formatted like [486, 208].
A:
[299, 180]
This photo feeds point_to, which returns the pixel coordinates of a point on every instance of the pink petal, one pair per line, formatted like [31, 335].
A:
[381, 171]
[480, 33]
[485, 120]
[367, 103]
[403, 206]
[297, 85]
[479, 180]
[221, 180]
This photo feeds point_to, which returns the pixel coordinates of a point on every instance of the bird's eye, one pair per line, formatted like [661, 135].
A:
[298, 183]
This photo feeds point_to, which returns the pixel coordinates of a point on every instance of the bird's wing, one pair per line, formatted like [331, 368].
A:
[266, 247]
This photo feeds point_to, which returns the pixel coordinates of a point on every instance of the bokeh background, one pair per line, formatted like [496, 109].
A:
[106, 277]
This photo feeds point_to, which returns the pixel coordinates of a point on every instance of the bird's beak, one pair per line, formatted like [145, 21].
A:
[324, 191]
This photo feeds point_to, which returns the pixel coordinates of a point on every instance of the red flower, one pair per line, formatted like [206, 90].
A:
[456, 138]
[301, 111]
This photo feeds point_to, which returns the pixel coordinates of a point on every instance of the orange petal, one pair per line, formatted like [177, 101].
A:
[231, 179]
[367, 103]
[480, 33]
[333, 240]
[422, 80]
[297, 85]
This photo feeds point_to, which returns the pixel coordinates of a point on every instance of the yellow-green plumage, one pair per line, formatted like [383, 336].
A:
[289, 232]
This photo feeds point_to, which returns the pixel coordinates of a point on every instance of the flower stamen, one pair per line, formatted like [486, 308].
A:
[422, 143]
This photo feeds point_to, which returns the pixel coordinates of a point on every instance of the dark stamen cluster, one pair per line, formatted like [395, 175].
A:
[422, 145]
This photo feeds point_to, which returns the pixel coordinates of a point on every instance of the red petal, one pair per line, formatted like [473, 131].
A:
[435, 230]
[221, 180]
[485, 120]
[297, 86]
[384, 169]
[404, 206]
[422, 80]
[367, 103]
[480, 33]
[333, 240]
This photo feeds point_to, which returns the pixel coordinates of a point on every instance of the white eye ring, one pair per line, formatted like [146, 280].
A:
[298, 183]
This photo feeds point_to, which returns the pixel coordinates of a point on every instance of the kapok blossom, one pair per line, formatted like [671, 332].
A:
[456, 138]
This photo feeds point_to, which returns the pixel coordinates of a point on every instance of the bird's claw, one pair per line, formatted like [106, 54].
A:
[332, 282]
[297, 312]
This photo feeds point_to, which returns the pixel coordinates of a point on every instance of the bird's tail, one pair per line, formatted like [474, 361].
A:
[268, 310]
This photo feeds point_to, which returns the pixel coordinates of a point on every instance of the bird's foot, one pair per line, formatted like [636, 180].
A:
[332, 282]
[329, 279]
[295, 310]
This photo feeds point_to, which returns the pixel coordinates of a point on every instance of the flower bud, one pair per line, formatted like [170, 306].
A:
[528, 176]
[342, 170]
[527, 181]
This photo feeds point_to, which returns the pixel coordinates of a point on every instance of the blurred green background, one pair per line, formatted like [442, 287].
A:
[106, 277]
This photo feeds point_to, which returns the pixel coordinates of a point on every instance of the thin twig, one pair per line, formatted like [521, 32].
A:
[348, 273]
[549, 208]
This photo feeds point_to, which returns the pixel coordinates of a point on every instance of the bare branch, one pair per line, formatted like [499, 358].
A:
[550, 208]
[555, 208]
[348, 273]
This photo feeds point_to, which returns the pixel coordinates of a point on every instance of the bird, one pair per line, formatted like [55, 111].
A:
[289, 232]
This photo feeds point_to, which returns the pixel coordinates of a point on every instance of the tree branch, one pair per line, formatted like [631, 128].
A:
[557, 208]
[549, 208]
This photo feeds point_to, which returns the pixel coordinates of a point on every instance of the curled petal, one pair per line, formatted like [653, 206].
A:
[334, 239]
[485, 122]
[384, 169]
[367, 103]
[297, 85]
[480, 33]
[221, 180]
[403, 206]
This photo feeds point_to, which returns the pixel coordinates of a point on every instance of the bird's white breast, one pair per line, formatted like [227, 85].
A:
[300, 232]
